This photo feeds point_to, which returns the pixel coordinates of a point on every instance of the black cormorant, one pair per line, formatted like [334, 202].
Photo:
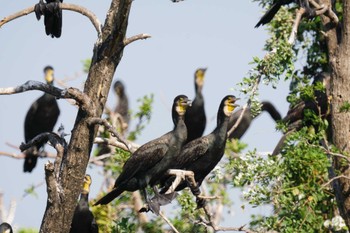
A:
[195, 118]
[52, 16]
[83, 219]
[148, 163]
[295, 115]
[122, 107]
[268, 16]
[247, 119]
[5, 228]
[119, 118]
[203, 154]
[41, 117]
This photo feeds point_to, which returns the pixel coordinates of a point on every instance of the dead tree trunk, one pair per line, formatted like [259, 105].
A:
[108, 52]
[339, 57]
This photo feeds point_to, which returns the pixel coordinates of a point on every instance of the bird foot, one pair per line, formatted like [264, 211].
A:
[201, 202]
[157, 201]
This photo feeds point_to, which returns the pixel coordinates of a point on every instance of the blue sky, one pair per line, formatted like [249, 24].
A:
[219, 35]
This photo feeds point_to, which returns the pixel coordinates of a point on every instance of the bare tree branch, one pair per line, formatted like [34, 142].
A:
[142, 36]
[335, 178]
[64, 6]
[218, 228]
[112, 130]
[300, 12]
[69, 93]
[168, 222]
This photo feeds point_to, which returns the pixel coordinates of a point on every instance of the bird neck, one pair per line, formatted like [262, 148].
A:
[222, 125]
[181, 129]
[198, 89]
[267, 106]
[84, 199]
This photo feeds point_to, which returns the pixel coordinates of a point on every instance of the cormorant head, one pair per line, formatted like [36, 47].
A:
[181, 102]
[228, 104]
[87, 183]
[199, 77]
[48, 71]
[5, 228]
[119, 88]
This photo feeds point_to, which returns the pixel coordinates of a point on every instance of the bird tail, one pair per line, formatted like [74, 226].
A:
[30, 161]
[109, 196]
[53, 20]
[268, 16]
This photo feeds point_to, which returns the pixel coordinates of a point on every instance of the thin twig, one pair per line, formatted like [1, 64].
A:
[112, 130]
[168, 222]
[141, 36]
[218, 228]
[300, 12]
[64, 6]
[335, 178]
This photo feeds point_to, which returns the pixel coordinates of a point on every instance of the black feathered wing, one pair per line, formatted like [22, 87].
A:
[144, 158]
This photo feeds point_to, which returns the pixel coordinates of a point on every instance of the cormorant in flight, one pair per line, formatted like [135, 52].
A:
[83, 219]
[195, 118]
[152, 159]
[52, 16]
[41, 117]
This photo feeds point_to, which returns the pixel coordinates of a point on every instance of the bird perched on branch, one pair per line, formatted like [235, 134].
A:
[148, 163]
[195, 118]
[202, 154]
[83, 219]
[247, 119]
[52, 16]
[320, 105]
[270, 13]
[41, 117]
[122, 107]
[5, 228]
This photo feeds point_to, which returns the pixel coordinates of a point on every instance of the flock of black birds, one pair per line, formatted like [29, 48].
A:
[183, 148]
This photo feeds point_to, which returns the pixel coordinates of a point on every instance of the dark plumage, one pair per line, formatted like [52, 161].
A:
[268, 16]
[122, 107]
[248, 118]
[295, 115]
[195, 118]
[203, 154]
[52, 16]
[5, 228]
[41, 117]
[152, 159]
[83, 219]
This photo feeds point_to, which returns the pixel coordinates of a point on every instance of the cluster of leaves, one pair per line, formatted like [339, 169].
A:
[294, 183]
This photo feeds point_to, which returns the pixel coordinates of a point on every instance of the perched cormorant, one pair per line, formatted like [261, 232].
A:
[120, 117]
[248, 118]
[52, 16]
[5, 228]
[152, 159]
[83, 219]
[203, 154]
[41, 117]
[295, 115]
[195, 118]
[268, 16]
[122, 107]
